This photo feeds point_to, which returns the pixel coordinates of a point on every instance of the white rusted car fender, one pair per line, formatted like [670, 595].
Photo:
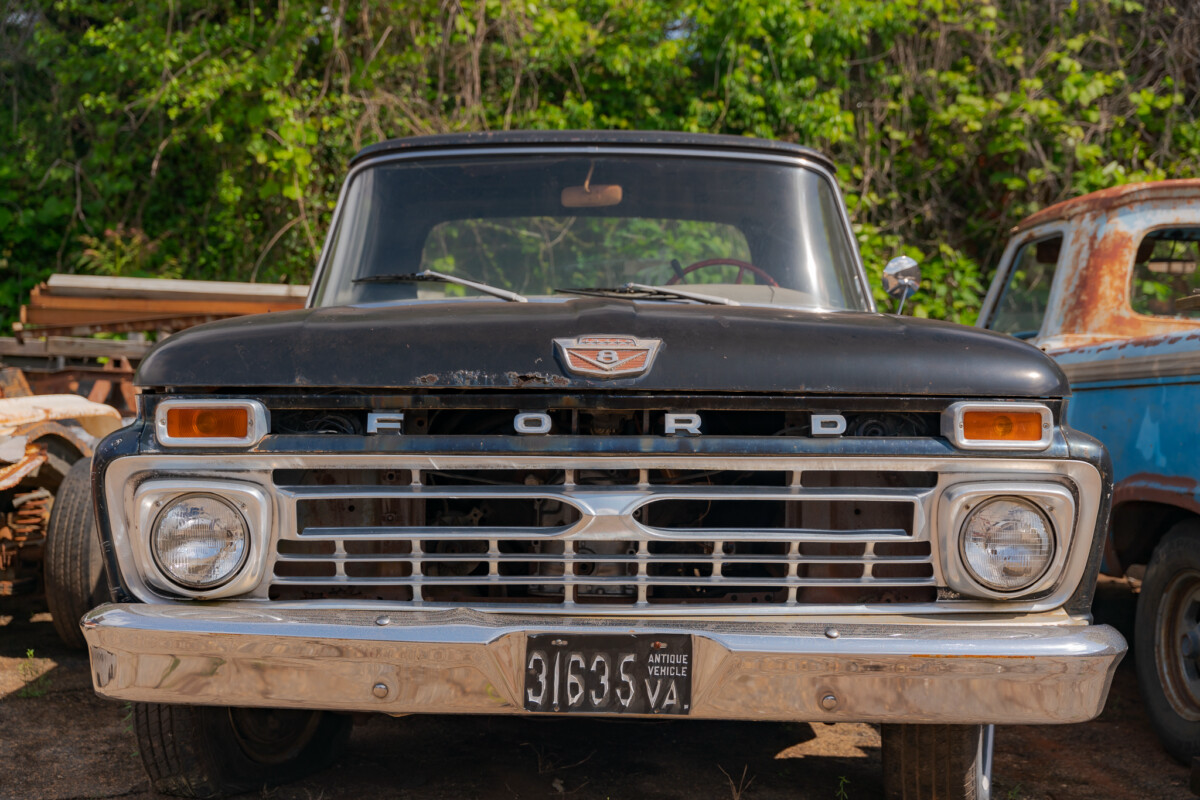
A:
[23, 420]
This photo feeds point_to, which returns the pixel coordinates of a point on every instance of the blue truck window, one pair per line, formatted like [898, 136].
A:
[1164, 270]
[1023, 303]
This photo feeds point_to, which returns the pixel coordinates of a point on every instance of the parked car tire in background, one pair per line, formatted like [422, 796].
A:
[74, 573]
[210, 751]
[935, 761]
[1167, 639]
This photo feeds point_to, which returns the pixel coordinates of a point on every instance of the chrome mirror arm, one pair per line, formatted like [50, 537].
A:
[901, 279]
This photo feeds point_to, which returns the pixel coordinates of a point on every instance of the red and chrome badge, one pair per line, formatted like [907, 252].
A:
[607, 356]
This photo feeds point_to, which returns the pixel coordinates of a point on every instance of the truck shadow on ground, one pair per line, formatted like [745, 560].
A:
[443, 757]
[62, 741]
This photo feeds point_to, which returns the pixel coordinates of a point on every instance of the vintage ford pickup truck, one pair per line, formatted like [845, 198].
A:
[596, 424]
[1106, 284]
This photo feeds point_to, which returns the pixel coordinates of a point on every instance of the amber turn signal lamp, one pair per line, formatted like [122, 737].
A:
[208, 422]
[1002, 426]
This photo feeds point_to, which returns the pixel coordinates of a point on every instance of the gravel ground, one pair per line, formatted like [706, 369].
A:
[58, 740]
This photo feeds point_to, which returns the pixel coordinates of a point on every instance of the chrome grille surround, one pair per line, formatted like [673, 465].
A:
[565, 559]
[606, 514]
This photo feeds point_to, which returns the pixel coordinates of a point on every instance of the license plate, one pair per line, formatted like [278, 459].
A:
[608, 673]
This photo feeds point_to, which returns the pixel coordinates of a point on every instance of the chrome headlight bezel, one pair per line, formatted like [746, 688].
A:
[152, 497]
[1054, 501]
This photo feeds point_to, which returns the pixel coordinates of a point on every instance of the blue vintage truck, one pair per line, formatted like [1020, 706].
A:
[1106, 284]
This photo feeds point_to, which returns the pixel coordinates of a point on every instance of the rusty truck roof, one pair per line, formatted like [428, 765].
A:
[1114, 197]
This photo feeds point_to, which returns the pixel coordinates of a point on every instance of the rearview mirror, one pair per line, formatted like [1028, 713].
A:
[591, 196]
[901, 279]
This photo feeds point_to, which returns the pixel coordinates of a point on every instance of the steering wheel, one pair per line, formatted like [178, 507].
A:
[712, 262]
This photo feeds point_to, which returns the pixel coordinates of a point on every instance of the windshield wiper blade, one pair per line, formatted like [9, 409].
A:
[441, 277]
[699, 298]
[641, 290]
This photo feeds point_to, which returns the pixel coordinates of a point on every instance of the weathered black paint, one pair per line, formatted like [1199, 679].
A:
[496, 344]
[632, 139]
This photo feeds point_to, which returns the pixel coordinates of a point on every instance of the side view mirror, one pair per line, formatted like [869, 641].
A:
[901, 279]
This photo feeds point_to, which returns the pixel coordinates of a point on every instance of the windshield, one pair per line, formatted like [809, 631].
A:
[749, 231]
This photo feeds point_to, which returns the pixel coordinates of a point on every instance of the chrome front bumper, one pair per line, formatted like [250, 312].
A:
[462, 661]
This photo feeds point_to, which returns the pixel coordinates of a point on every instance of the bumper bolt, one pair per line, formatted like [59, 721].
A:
[829, 702]
[832, 633]
[380, 690]
[383, 620]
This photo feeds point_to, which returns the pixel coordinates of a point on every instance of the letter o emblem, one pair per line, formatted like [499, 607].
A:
[532, 422]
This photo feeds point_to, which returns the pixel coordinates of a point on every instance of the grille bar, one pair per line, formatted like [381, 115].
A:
[551, 534]
[582, 580]
[583, 494]
[501, 558]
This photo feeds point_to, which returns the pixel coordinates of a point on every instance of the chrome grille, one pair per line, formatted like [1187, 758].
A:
[627, 537]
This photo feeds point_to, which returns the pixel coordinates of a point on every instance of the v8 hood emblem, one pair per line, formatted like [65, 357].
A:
[607, 356]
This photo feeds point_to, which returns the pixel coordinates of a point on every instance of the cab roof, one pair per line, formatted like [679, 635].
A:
[576, 139]
[1183, 191]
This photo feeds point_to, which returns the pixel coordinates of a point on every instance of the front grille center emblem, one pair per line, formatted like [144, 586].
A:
[607, 356]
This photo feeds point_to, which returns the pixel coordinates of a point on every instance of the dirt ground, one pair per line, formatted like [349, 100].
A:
[58, 740]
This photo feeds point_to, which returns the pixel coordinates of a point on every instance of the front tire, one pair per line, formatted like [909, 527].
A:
[208, 752]
[953, 762]
[73, 572]
[1167, 640]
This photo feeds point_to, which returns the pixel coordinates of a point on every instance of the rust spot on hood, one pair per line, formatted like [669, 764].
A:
[536, 379]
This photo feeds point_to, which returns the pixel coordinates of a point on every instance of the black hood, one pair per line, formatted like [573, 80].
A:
[705, 348]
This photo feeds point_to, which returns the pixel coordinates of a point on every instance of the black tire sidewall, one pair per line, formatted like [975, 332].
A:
[932, 760]
[1179, 550]
[193, 751]
[72, 568]
[237, 772]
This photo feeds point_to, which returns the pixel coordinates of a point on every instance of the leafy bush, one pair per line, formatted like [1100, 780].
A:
[209, 140]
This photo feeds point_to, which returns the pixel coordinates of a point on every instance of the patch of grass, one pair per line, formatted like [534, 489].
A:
[127, 724]
[36, 684]
[551, 762]
[739, 788]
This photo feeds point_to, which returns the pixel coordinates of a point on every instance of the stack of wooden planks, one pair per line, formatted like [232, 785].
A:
[52, 355]
[80, 305]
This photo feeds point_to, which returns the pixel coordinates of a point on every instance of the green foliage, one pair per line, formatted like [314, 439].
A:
[547, 252]
[208, 139]
[31, 673]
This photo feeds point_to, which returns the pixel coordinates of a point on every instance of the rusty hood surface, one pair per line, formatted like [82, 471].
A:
[499, 345]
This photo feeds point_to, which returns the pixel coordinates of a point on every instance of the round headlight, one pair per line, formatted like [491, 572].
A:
[1007, 544]
[200, 541]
